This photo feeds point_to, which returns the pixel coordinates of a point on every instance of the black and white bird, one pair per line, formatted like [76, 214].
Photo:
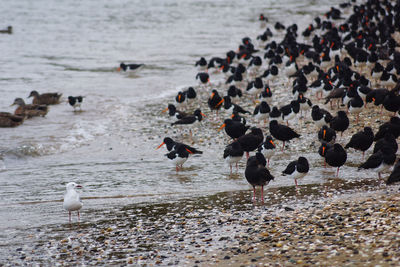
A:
[129, 67]
[326, 134]
[282, 132]
[178, 156]
[261, 111]
[72, 201]
[340, 122]
[75, 102]
[267, 148]
[233, 153]
[395, 175]
[297, 169]
[320, 116]
[380, 161]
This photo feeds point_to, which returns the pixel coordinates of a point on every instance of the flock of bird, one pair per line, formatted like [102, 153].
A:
[38, 107]
[347, 56]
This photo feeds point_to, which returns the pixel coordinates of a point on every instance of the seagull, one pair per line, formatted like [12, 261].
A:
[72, 201]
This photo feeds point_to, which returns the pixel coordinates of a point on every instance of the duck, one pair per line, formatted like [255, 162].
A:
[72, 201]
[10, 120]
[29, 111]
[45, 99]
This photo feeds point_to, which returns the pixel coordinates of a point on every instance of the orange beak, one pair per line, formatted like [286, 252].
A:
[221, 127]
[119, 69]
[212, 95]
[322, 55]
[161, 145]
[202, 114]
[165, 110]
[189, 151]
[373, 99]
[179, 98]
[272, 142]
[323, 136]
[220, 102]
[302, 52]
[323, 150]
[333, 43]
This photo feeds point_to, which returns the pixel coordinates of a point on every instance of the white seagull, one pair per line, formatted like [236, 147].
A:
[72, 201]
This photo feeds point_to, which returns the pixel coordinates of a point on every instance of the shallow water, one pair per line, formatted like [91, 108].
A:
[74, 48]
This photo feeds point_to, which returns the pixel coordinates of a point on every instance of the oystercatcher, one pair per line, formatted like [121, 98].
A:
[178, 156]
[266, 93]
[257, 174]
[180, 99]
[326, 134]
[204, 77]
[289, 111]
[75, 102]
[392, 126]
[233, 153]
[201, 64]
[282, 132]
[129, 67]
[171, 145]
[190, 95]
[234, 129]
[190, 119]
[267, 148]
[174, 112]
[231, 107]
[355, 106]
[275, 114]
[388, 140]
[361, 140]
[261, 111]
[297, 169]
[320, 116]
[380, 161]
[340, 122]
[251, 141]
[395, 175]
[215, 101]
[336, 156]
[322, 150]
[234, 93]
[72, 201]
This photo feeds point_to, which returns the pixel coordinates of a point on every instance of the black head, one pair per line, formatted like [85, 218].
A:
[168, 141]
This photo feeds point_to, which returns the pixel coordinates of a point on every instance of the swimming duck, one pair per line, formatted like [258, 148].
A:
[45, 99]
[10, 120]
[31, 110]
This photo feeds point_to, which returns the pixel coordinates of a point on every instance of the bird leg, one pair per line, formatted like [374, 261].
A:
[262, 194]
[268, 163]
[254, 194]
[237, 168]
[337, 172]
[177, 168]
[79, 217]
[69, 213]
[230, 166]
[247, 154]
[283, 146]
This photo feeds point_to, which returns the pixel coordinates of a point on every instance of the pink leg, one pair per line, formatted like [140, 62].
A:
[268, 163]
[237, 168]
[337, 172]
[69, 213]
[254, 194]
[295, 181]
[247, 155]
[325, 163]
[283, 146]
[230, 166]
[177, 168]
[79, 217]
[262, 194]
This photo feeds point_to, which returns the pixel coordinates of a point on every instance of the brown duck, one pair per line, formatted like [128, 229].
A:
[29, 111]
[45, 99]
[10, 120]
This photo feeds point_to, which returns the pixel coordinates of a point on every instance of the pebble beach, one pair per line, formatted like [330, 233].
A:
[350, 220]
